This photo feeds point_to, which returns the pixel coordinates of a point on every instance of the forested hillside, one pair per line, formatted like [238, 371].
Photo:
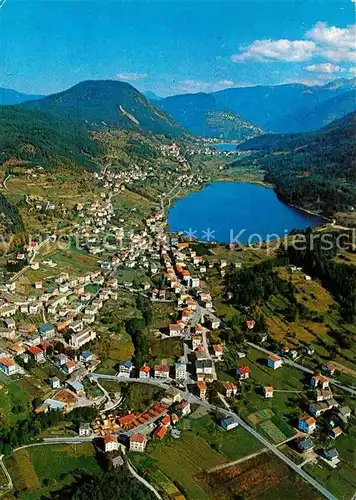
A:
[10, 219]
[313, 170]
[39, 138]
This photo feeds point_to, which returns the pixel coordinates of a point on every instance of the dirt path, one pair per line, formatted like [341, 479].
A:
[235, 462]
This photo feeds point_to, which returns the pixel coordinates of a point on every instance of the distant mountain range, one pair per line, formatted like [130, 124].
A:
[282, 108]
[104, 104]
[236, 113]
[9, 96]
[204, 115]
[152, 96]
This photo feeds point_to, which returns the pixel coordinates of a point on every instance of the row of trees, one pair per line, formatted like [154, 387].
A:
[137, 328]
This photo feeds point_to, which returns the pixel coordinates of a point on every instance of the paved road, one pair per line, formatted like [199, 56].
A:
[276, 451]
[289, 362]
[194, 399]
[66, 440]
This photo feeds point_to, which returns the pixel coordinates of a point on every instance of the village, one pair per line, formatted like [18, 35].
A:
[66, 310]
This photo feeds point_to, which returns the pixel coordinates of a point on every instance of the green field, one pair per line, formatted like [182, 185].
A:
[14, 402]
[233, 444]
[283, 378]
[340, 481]
[182, 459]
[37, 470]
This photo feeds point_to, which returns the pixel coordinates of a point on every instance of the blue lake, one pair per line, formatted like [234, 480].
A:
[222, 207]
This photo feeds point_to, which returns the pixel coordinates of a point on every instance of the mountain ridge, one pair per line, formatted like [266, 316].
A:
[105, 104]
[285, 108]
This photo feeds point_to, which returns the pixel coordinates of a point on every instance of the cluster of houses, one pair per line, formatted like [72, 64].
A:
[136, 430]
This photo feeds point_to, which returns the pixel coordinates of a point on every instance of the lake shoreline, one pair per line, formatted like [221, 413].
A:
[249, 217]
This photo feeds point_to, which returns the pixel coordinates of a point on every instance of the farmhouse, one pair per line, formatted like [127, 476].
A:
[243, 372]
[307, 424]
[319, 381]
[274, 361]
[268, 391]
[160, 432]
[228, 423]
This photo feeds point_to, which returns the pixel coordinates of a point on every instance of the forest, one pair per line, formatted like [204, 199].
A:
[37, 138]
[9, 216]
[113, 485]
[314, 170]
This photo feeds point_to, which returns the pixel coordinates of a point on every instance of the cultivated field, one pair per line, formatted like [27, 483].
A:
[37, 470]
[182, 459]
[261, 477]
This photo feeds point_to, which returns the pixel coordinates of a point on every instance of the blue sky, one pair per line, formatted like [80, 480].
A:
[175, 46]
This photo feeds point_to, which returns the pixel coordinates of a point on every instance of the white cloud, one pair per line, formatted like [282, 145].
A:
[131, 76]
[353, 70]
[327, 42]
[276, 50]
[192, 86]
[338, 55]
[323, 68]
[333, 36]
[334, 44]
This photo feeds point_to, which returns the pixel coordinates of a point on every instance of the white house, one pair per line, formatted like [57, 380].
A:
[138, 442]
[268, 391]
[111, 443]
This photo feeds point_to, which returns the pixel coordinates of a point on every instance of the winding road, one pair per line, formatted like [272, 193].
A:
[227, 411]
[303, 368]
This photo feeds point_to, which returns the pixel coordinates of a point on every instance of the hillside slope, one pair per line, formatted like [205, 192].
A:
[39, 138]
[203, 115]
[314, 170]
[105, 104]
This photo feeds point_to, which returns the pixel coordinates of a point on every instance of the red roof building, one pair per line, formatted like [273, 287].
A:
[160, 432]
[127, 420]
